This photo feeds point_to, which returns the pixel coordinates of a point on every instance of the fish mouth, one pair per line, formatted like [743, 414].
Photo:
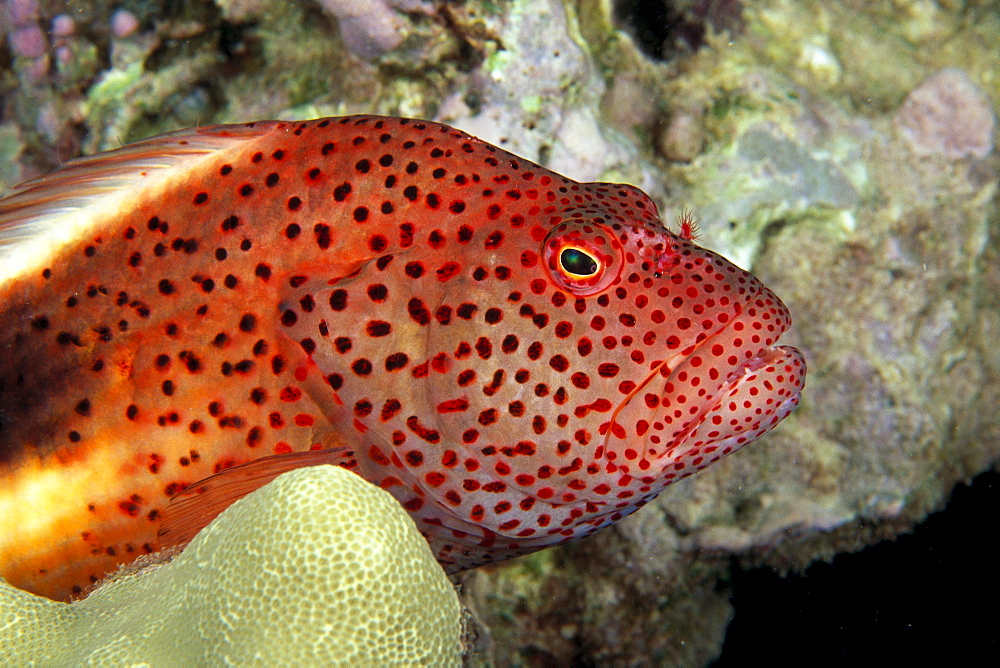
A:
[714, 396]
[736, 384]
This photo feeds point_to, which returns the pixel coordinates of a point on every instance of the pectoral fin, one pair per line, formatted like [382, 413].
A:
[192, 509]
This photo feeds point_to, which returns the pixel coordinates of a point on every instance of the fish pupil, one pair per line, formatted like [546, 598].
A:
[575, 261]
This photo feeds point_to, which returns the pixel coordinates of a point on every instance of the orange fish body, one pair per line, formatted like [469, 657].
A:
[519, 358]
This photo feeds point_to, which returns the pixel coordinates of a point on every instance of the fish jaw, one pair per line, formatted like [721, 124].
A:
[763, 384]
[754, 399]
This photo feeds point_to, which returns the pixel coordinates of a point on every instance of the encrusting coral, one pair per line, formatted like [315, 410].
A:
[318, 567]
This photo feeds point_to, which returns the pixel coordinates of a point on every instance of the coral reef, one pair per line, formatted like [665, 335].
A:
[845, 150]
[318, 567]
[948, 115]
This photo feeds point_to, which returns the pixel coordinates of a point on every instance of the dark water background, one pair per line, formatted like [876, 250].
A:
[933, 595]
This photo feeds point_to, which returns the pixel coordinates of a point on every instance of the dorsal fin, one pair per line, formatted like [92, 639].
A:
[192, 509]
[40, 215]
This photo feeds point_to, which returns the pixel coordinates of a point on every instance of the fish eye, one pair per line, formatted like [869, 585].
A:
[582, 257]
[577, 262]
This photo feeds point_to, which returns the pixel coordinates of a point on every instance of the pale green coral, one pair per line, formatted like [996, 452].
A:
[317, 568]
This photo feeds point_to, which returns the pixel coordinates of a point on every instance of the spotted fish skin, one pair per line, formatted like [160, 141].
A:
[519, 358]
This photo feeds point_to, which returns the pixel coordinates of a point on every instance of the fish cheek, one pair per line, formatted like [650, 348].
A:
[358, 345]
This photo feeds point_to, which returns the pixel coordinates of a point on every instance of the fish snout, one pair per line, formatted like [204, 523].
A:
[735, 387]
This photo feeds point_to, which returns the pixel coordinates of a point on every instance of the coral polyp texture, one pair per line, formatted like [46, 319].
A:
[317, 568]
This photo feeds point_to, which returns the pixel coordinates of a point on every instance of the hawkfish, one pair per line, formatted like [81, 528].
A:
[518, 358]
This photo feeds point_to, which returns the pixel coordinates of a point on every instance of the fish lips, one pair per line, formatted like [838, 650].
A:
[735, 386]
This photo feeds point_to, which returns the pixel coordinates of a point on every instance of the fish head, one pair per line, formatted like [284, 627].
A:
[623, 356]
[567, 356]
